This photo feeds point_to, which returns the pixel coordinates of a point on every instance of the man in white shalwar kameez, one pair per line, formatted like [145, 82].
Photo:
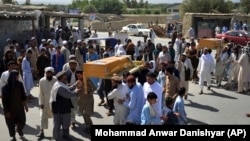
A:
[243, 77]
[119, 94]
[45, 87]
[205, 69]
[221, 63]
[234, 67]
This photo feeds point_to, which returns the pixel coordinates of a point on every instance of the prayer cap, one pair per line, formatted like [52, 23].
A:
[73, 61]
[49, 40]
[79, 41]
[65, 42]
[60, 74]
[33, 38]
[72, 56]
[51, 69]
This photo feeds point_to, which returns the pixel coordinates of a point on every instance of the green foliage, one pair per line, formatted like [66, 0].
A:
[206, 6]
[7, 1]
[135, 3]
[157, 12]
[90, 8]
[109, 6]
[147, 11]
[245, 4]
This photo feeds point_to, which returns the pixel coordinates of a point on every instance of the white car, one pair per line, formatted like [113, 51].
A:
[136, 29]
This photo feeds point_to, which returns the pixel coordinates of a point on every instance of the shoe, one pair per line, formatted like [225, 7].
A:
[201, 92]
[109, 113]
[13, 138]
[242, 92]
[73, 125]
[87, 129]
[100, 104]
[209, 87]
[40, 135]
[20, 132]
[68, 138]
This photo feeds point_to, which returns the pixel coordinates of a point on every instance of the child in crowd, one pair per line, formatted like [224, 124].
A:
[168, 115]
[179, 107]
[148, 115]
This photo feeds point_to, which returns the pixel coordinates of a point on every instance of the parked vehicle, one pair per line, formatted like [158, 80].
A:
[236, 36]
[136, 29]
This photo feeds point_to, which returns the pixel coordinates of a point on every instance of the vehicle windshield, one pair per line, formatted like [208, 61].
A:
[141, 26]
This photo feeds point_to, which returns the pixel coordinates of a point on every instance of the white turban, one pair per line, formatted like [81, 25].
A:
[49, 69]
[79, 41]
[65, 42]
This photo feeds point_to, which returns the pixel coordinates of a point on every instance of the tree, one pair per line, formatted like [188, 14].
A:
[79, 4]
[245, 4]
[109, 6]
[127, 3]
[134, 4]
[90, 8]
[205, 6]
[141, 4]
[146, 4]
[7, 1]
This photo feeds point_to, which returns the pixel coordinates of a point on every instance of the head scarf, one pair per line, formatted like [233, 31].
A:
[246, 50]
[12, 77]
[12, 81]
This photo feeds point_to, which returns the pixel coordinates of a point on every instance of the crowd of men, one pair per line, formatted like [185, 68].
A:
[153, 95]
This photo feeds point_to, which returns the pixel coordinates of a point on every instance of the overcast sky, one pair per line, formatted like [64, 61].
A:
[69, 1]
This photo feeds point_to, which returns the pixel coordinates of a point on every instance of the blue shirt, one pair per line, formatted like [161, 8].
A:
[147, 119]
[179, 107]
[92, 57]
[135, 104]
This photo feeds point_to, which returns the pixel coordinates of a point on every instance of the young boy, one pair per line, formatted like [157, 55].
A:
[148, 115]
[168, 116]
[179, 107]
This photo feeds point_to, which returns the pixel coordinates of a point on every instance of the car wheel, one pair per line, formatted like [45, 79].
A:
[140, 34]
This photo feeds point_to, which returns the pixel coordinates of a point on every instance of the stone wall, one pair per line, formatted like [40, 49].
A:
[116, 25]
[128, 19]
[155, 19]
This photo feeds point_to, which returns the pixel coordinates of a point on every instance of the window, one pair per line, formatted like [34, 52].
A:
[231, 33]
[130, 26]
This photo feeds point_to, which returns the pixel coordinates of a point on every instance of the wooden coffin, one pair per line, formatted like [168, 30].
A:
[212, 43]
[106, 67]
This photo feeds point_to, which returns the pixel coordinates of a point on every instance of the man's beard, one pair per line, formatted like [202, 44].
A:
[49, 78]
